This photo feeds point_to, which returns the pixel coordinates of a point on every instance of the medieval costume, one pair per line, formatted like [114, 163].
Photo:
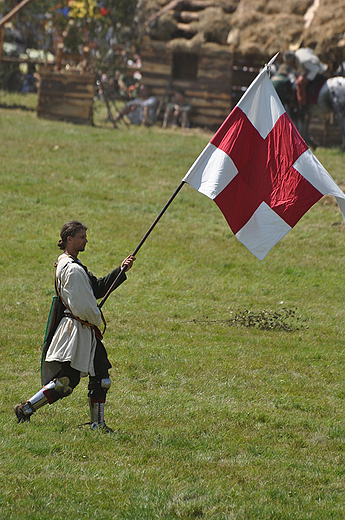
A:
[73, 346]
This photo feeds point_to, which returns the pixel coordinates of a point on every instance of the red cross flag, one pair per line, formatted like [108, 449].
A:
[260, 172]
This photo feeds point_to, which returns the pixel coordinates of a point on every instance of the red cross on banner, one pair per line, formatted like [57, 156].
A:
[265, 172]
[260, 172]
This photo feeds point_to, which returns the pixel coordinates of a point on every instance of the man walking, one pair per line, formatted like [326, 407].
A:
[73, 346]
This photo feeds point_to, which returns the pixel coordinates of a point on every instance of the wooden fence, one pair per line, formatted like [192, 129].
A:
[66, 96]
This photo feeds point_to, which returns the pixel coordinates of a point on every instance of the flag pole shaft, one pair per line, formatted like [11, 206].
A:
[148, 232]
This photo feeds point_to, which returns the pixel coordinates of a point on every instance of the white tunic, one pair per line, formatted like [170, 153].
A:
[310, 63]
[73, 341]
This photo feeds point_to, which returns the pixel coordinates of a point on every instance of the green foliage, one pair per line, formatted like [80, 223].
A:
[212, 420]
[100, 24]
[285, 319]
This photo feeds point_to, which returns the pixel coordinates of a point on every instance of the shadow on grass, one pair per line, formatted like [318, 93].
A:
[16, 107]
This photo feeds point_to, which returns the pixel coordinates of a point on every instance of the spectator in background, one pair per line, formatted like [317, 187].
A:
[284, 82]
[177, 111]
[128, 84]
[141, 110]
[309, 67]
[29, 80]
[135, 63]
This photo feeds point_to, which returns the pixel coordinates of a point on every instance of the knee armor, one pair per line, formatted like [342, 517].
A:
[56, 389]
[106, 383]
[49, 393]
[98, 387]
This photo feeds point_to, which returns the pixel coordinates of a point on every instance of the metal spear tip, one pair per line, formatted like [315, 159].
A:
[272, 60]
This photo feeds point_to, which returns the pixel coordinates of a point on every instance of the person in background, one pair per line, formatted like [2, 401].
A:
[128, 84]
[177, 111]
[284, 81]
[141, 110]
[308, 67]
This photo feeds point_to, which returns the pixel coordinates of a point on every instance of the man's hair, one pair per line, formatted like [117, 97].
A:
[70, 229]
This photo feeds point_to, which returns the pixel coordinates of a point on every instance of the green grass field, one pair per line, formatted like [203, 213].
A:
[213, 419]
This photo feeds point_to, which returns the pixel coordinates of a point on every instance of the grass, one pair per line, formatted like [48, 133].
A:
[213, 418]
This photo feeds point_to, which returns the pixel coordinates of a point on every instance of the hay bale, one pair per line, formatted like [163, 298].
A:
[254, 32]
[259, 27]
[215, 25]
[274, 6]
[326, 29]
[165, 28]
[211, 24]
[193, 46]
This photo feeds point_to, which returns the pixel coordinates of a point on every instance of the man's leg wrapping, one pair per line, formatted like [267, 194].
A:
[98, 388]
[49, 393]
[61, 386]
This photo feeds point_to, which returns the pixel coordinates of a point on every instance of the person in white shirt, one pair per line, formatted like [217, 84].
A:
[73, 346]
[141, 110]
[309, 67]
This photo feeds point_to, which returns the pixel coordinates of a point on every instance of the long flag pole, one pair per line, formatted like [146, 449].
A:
[154, 223]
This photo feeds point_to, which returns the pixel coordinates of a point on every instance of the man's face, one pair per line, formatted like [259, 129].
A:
[79, 241]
